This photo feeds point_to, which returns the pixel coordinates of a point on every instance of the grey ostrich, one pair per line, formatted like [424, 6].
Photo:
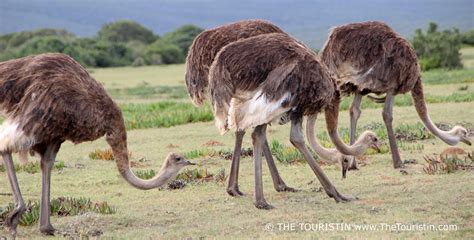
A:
[49, 98]
[200, 57]
[370, 57]
[257, 80]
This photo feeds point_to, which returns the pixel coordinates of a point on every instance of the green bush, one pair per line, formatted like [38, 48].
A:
[183, 37]
[123, 31]
[437, 49]
[168, 52]
[120, 43]
[468, 37]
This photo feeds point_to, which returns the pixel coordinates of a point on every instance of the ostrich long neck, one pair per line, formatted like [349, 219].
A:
[325, 153]
[117, 140]
[420, 106]
[332, 115]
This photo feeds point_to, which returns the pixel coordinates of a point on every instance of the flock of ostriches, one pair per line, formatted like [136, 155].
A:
[254, 73]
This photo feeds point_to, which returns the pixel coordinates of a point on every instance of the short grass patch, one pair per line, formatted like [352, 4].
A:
[33, 167]
[447, 165]
[163, 114]
[145, 90]
[62, 206]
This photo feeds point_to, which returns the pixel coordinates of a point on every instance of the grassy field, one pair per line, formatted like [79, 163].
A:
[204, 210]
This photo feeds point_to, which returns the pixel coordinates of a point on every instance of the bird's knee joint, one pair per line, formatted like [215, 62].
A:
[20, 208]
[353, 111]
[297, 141]
[387, 117]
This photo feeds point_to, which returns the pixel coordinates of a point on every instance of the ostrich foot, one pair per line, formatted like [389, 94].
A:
[333, 193]
[263, 205]
[12, 221]
[352, 167]
[234, 192]
[284, 188]
[47, 229]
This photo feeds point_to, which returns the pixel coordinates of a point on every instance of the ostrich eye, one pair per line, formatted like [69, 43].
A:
[375, 139]
[179, 159]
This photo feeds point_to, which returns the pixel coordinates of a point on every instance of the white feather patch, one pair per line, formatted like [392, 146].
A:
[12, 138]
[245, 113]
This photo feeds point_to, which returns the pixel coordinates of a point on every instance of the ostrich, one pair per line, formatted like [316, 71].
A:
[257, 80]
[370, 57]
[49, 98]
[200, 56]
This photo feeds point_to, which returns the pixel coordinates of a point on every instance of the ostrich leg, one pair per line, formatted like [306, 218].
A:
[278, 183]
[297, 139]
[354, 114]
[233, 187]
[258, 139]
[387, 118]
[12, 220]
[47, 162]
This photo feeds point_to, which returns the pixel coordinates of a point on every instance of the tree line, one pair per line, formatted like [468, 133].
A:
[128, 43]
[120, 43]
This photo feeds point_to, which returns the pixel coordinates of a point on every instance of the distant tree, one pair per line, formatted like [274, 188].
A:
[183, 36]
[137, 51]
[123, 31]
[468, 37]
[38, 45]
[437, 49]
[19, 38]
[161, 52]
[109, 54]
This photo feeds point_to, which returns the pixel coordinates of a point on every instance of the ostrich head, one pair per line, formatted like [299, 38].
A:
[368, 139]
[173, 163]
[459, 134]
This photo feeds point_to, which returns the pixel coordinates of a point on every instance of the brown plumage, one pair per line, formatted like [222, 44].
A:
[370, 57]
[273, 64]
[54, 99]
[257, 80]
[200, 57]
[49, 98]
[208, 43]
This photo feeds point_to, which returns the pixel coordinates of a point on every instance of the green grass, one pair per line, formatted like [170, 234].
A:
[59, 207]
[34, 167]
[467, 55]
[161, 119]
[443, 76]
[163, 114]
[126, 77]
[144, 90]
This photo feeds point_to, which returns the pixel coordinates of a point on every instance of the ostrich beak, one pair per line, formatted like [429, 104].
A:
[344, 168]
[190, 163]
[466, 140]
[376, 146]
[344, 171]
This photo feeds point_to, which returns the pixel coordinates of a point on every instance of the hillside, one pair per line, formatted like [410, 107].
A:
[308, 20]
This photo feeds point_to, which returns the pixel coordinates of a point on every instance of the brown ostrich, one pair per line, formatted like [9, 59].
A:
[49, 98]
[257, 80]
[370, 57]
[200, 56]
